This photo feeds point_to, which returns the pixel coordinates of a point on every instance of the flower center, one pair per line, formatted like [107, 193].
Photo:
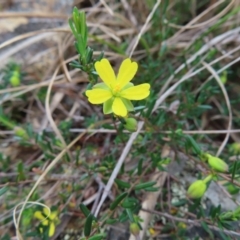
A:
[116, 89]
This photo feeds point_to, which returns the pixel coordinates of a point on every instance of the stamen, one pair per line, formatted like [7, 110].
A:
[116, 88]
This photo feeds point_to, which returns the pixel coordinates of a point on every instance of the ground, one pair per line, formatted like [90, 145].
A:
[100, 180]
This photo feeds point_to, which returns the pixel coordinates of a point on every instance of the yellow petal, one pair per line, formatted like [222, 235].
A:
[45, 223]
[98, 96]
[39, 215]
[53, 215]
[126, 72]
[119, 108]
[46, 211]
[136, 92]
[105, 72]
[51, 229]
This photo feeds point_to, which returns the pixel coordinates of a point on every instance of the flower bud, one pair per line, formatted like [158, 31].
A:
[20, 132]
[131, 124]
[15, 79]
[182, 225]
[197, 189]
[235, 147]
[134, 229]
[216, 163]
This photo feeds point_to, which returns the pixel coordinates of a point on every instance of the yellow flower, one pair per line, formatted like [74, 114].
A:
[152, 231]
[116, 92]
[48, 219]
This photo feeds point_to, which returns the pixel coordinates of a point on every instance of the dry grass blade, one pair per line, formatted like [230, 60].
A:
[219, 15]
[217, 78]
[33, 14]
[26, 35]
[144, 27]
[110, 11]
[49, 114]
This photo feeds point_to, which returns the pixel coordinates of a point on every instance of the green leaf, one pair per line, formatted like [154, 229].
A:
[97, 236]
[152, 189]
[144, 185]
[20, 169]
[77, 47]
[130, 215]
[215, 211]
[84, 210]
[99, 58]
[122, 184]
[89, 54]
[205, 107]
[81, 46]
[111, 221]
[3, 190]
[88, 225]
[180, 203]
[83, 26]
[140, 163]
[128, 203]
[117, 201]
[75, 64]
[139, 108]
[76, 19]
[123, 217]
[206, 228]
[193, 144]
[71, 24]
[234, 169]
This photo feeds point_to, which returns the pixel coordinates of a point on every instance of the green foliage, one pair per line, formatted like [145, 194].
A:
[78, 180]
[12, 75]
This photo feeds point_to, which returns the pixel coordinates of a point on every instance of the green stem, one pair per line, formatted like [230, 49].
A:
[208, 178]
[6, 122]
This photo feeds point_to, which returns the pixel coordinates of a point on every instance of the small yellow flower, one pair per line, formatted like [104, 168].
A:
[152, 231]
[116, 92]
[49, 219]
[182, 225]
